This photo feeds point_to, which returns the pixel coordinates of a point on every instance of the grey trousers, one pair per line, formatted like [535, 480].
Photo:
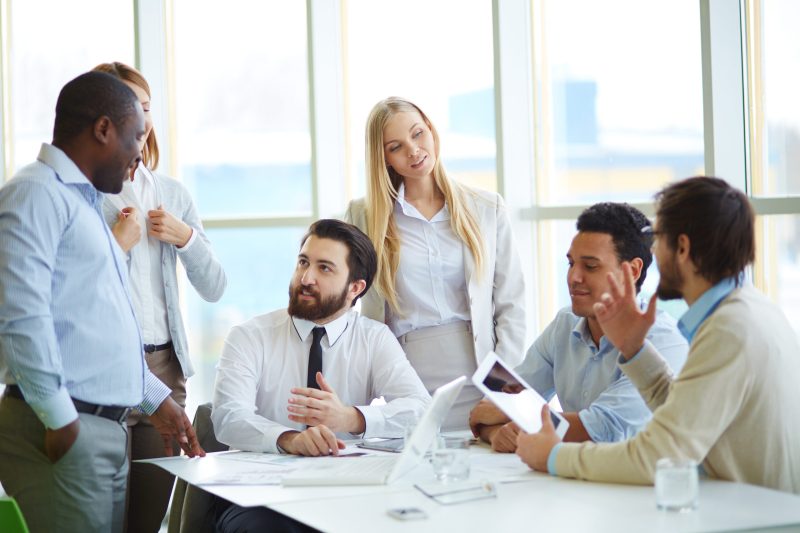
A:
[83, 492]
[440, 354]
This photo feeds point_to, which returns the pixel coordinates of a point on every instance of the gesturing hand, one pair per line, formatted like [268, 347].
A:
[617, 312]
[127, 230]
[171, 422]
[315, 407]
[314, 441]
[166, 228]
[534, 449]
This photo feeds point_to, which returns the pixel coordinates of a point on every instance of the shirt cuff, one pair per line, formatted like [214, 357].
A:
[155, 392]
[188, 243]
[271, 436]
[372, 421]
[551, 460]
[56, 411]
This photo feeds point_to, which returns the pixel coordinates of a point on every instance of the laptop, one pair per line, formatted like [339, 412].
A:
[381, 470]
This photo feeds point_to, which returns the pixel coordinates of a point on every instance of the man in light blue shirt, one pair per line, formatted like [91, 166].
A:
[571, 358]
[70, 350]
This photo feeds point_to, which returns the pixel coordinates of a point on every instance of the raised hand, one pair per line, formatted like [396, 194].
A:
[618, 313]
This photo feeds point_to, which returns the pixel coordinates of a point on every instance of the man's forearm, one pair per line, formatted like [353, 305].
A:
[577, 431]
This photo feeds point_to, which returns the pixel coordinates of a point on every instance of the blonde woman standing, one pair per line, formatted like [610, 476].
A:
[449, 282]
[155, 222]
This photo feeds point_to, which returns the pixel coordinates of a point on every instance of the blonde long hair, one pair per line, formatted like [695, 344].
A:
[382, 186]
[130, 74]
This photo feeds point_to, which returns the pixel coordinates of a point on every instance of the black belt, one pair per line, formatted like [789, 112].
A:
[150, 348]
[117, 414]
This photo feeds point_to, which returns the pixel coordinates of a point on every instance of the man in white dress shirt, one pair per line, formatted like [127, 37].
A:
[272, 396]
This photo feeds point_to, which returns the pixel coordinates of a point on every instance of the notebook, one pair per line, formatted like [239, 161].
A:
[381, 470]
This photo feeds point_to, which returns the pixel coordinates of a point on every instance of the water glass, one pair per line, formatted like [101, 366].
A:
[450, 459]
[676, 485]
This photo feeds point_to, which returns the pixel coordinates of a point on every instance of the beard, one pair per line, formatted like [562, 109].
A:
[669, 282]
[317, 309]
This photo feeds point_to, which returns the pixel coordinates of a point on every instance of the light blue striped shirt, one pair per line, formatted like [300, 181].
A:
[67, 327]
[564, 361]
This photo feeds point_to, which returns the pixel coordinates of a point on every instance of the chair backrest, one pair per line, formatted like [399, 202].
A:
[193, 508]
[11, 519]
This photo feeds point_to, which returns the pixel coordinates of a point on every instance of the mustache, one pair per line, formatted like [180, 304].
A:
[313, 291]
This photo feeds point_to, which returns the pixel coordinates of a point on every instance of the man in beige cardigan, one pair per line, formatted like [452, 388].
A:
[734, 406]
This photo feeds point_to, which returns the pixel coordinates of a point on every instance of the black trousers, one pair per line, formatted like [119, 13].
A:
[232, 518]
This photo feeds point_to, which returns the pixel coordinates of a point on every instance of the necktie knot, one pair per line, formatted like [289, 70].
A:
[318, 333]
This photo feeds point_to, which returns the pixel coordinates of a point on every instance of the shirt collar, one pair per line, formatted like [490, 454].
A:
[143, 173]
[700, 310]
[333, 329]
[581, 330]
[68, 173]
[411, 211]
[66, 169]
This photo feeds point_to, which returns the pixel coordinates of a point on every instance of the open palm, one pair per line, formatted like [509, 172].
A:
[618, 313]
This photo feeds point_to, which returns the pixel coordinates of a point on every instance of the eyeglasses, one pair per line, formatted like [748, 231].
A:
[649, 232]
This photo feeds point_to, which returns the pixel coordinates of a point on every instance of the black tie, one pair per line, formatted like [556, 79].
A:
[315, 357]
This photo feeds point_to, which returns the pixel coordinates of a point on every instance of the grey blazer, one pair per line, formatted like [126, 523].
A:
[496, 299]
[202, 268]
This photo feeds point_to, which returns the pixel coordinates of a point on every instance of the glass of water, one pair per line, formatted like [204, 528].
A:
[450, 459]
[676, 485]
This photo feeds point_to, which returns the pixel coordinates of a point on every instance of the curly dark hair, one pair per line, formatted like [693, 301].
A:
[624, 223]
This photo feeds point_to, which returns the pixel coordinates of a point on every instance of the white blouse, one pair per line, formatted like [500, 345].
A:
[431, 281]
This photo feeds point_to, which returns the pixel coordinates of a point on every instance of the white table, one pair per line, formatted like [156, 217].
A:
[533, 501]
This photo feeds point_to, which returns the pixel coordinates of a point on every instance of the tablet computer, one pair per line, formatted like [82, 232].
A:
[513, 396]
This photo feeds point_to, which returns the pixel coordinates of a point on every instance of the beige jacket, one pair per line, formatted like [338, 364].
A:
[734, 407]
[497, 299]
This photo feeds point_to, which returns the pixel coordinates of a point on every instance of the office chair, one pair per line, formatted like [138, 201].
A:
[192, 509]
[11, 519]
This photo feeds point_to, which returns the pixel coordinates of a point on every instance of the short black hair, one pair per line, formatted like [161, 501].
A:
[718, 220]
[362, 261]
[87, 98]
[624, 223]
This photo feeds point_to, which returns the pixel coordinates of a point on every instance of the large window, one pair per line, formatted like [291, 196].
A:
[419, 51]
[243, 149]
[778, 95]
[46, 51]
[557, 104]
[775, 143]
[619, 114]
